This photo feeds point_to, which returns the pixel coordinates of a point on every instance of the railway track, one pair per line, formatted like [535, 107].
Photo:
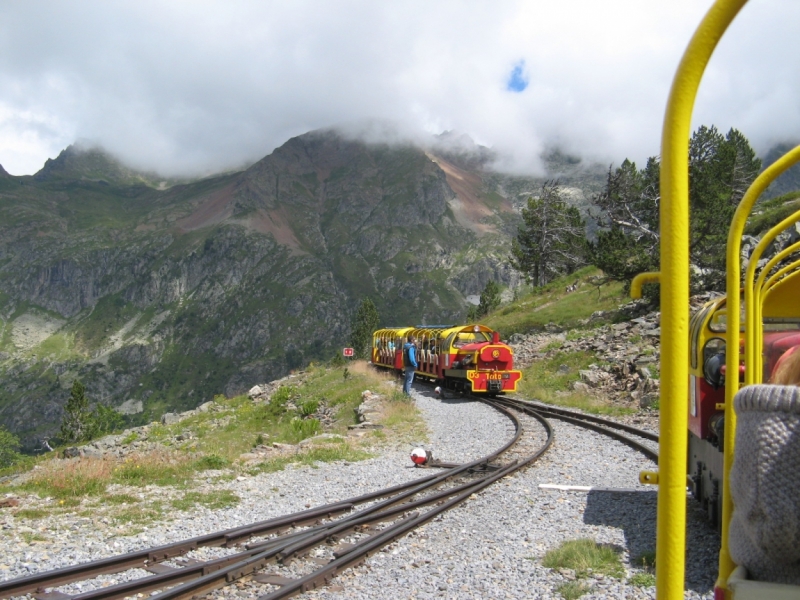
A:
[607, 427]
[386, 515]
[308, 537]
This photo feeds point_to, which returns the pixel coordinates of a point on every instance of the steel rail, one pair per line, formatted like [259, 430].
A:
[218, 579]
[228, 537]
[144, 558]
[593, 423]
[361, 550]
[546, 408]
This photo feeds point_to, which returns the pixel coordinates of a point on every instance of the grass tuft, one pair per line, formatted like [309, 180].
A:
[572, 590]
[84, 477]
[584, 556]
[32, 513]
[643, 580]
[315, 454]
[157, 468]
[217, 499]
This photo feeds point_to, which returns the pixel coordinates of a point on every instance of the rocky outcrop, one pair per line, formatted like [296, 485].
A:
[628, 351]
[628, 355]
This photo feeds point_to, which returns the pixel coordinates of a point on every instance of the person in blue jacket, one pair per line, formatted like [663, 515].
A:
[409, 364]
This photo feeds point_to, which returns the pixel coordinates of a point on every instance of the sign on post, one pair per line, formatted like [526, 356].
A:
[348, 352]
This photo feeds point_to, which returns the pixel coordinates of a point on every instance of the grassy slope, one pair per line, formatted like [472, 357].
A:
[772, 212]
[214, 447]
[551, 304]
[551, 379]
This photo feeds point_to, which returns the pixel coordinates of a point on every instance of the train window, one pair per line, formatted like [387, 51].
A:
[448, 343]
[719, 320]
[713, 360]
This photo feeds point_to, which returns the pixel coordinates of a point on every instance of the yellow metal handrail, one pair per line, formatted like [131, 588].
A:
[641, 279]
[760, 290]
[674, 217]
[752, 312]
[732, 357]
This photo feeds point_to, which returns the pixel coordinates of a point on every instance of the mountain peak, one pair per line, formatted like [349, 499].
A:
[93, 163]
[460, 149]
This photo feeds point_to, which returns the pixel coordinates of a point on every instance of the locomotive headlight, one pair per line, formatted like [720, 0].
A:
[713, 361]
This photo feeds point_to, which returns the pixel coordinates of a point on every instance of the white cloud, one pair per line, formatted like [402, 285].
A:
[191, 87]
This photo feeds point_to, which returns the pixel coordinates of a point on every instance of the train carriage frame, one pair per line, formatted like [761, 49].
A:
[772, 296]
[466, 358]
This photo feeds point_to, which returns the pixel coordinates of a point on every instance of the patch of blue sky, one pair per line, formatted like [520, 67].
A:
[518, 79]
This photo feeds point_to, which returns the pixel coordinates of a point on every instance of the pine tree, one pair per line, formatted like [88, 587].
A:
[630, 204]
[9, 446]
[490, 299]
[551, 242]
[721, 168]
[76, 423]
[365, 322]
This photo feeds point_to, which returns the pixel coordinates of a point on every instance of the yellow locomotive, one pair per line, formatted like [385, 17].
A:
[469, 358]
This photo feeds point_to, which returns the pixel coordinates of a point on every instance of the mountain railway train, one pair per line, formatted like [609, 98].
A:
[747, 475]
[469, 358]
[707, 380]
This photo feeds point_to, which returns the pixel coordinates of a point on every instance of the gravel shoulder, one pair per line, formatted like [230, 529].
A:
[489, 547]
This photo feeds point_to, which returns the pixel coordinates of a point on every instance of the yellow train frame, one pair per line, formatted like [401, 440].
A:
[386, 342]
[674, 280]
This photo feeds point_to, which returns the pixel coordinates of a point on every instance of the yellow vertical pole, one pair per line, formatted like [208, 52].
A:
[753, 345]
[674, 215]
[759, 295]
[732, 356]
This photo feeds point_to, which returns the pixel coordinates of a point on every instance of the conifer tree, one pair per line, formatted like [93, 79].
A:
[721, 168]
[365, 322]
[490, 299]
[551, 242]
[9, 445]
[77, 420]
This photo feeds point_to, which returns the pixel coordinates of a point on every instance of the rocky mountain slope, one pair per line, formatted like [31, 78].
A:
[158, 294]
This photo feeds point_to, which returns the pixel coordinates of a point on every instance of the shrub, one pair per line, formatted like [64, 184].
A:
[103, 420]
[308, 407]
[303, 428]
[281, 397]
[211, 461]
[9, 445]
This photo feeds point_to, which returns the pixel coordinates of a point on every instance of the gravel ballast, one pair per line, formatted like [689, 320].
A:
[489, 547]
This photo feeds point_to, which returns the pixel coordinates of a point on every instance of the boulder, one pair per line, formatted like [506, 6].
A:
[170, 418]
[71, 452]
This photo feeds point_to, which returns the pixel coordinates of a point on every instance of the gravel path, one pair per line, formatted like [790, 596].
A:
[489, 547]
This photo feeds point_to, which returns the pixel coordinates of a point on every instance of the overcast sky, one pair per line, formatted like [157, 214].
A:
[196, 87]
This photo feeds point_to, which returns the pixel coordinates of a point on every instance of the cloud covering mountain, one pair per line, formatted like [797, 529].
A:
[199, 87]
